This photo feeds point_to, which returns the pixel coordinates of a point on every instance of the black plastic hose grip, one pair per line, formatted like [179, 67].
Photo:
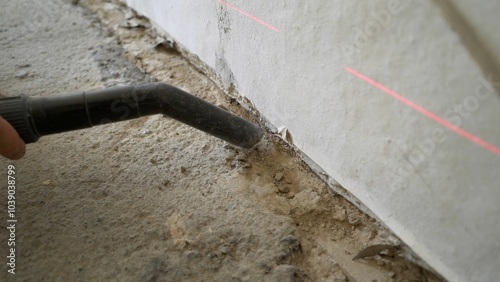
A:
[15, 111]
[34, 117]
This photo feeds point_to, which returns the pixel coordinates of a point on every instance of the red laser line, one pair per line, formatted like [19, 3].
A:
[429, 114]
[249, 16]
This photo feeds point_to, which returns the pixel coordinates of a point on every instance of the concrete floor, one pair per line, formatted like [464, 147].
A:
[153, 199]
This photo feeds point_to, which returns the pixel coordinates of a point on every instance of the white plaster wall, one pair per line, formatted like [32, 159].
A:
[446, 207]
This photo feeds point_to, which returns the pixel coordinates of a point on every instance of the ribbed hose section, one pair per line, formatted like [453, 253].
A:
[14, 110]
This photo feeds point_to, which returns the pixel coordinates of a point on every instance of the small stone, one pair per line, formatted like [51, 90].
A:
[22, 74]
[391, 274]
[379, 260]
[278, 176]
[248, 165]
[183, 169]
[224, 249]
[23, 66]
[284, 189]
[166, 182]
[353, 219]
[340, 215]
[46, 182]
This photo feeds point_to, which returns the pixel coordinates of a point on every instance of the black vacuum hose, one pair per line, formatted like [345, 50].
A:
[34, 117]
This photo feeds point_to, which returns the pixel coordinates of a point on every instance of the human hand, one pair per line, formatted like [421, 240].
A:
[11, 145]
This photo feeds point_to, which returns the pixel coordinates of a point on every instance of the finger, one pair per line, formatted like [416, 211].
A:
[11, 145]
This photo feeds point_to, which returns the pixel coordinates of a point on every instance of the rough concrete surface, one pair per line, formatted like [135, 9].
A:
[153, 199]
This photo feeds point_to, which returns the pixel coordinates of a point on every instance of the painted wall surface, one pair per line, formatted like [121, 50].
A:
[433, 179]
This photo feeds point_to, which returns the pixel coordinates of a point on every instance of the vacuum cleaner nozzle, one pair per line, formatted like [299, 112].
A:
[34, 117]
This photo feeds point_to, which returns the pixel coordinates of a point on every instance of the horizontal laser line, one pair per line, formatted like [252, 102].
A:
[249, 16]
[429, 114]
